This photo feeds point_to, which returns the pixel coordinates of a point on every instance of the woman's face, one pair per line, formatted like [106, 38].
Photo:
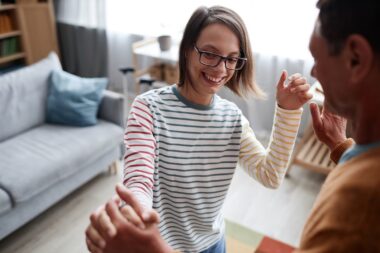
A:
[205, 81]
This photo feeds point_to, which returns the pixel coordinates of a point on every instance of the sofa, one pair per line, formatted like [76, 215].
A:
[41, 163]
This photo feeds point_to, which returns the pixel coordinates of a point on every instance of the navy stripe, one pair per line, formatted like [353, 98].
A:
[169, 190]
[190, 187]
[200, 145]
[199, 151]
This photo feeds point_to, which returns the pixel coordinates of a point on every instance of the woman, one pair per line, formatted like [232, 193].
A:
[183, 142]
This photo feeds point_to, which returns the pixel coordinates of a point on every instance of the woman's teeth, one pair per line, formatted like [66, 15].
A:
[214, 79]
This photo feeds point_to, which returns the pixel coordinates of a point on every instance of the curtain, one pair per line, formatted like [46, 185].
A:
[279, 32]
[260, 113]
[82, 37]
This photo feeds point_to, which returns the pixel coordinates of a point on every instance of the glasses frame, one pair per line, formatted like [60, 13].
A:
[221, 58]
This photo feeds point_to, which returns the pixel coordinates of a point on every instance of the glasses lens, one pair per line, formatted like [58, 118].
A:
[209, 59]
[234, 63]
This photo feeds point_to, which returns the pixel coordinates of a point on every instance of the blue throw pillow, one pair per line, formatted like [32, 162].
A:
[73, 100]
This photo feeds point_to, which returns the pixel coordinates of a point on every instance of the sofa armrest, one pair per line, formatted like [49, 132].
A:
[112, 108]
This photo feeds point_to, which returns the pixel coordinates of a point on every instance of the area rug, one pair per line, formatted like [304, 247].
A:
[240, 239]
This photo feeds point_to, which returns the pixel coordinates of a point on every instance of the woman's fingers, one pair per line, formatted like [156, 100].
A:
[281, 81]
[294, 77]
[300, 88]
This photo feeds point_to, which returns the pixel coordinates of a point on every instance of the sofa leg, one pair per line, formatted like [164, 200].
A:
[113, 167]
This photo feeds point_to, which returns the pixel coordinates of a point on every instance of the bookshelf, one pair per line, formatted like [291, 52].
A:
[27, 32]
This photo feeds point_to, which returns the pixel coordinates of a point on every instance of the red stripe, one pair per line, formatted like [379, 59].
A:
[135, 181]
[143, 152]
[142, 145]
[139, 165]
[141, 171]
[143, 104]
[138, 139]
[140, 109]
[143, 188]
[138, 132]
[139, 125]
[140, 176]
[142, 117]
[140, 158]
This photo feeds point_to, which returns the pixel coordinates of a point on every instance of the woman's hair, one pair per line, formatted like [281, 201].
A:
[243, 81]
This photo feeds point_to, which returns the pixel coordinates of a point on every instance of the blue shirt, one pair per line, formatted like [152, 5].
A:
[356, 150]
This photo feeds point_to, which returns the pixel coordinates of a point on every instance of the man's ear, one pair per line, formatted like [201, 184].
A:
[359, 56]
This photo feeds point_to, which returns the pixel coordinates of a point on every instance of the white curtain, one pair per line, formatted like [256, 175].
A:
[276, 27]
[268, 69]
[86, 13]
[279, 32]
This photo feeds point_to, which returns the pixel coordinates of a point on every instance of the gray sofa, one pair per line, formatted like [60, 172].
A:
[41, 163]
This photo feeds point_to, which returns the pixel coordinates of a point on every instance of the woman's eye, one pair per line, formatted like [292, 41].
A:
[232, 60]
[210, 55]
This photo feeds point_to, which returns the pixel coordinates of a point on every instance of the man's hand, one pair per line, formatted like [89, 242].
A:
[129, 228]
[129, 237]
[328, 127]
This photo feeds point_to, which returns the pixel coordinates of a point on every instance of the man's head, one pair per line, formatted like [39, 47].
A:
[346, 47]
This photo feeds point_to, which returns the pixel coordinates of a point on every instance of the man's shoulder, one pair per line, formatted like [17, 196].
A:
[347, 207]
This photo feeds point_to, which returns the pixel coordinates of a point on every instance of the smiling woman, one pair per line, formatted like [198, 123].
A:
[183, 142]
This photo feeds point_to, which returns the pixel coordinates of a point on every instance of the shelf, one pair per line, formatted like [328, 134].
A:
[5, 7]
[12, 57]
[10, 34]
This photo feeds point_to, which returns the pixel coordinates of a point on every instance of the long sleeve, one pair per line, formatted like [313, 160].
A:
[139, 156]
[268, 166]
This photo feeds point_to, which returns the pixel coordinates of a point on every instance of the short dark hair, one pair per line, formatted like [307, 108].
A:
[341, 18]
[243, 80]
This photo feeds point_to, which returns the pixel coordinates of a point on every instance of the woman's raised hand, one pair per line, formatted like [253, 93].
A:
[293, 95]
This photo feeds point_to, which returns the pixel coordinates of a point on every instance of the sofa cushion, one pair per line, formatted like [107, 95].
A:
[5, 202]
[35, 160]
[74, 100]
[23, 96]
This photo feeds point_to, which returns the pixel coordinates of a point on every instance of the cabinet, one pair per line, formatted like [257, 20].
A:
[163, 66]
[27, 31]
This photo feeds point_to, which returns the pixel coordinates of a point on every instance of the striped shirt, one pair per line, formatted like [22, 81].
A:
[180, 158]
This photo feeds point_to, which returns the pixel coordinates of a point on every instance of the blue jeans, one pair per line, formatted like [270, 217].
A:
[218, 247]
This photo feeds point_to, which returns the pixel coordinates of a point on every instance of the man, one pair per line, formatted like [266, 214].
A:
[346, 47]
[346, 216]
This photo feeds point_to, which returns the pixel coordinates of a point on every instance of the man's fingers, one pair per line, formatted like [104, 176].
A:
[92, 248]
[95, 216]
[132, 216]
[281, 81]
[128, 197]
[151, 217]
[105, 225]
[316, 116]
[114, 214]
[94, 238]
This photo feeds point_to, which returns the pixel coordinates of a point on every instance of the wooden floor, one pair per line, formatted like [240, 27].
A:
[278, 213]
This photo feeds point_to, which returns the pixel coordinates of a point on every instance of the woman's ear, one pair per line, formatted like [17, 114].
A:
[360, 57]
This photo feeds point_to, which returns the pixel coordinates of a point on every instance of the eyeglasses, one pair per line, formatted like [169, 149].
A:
[213, 60]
